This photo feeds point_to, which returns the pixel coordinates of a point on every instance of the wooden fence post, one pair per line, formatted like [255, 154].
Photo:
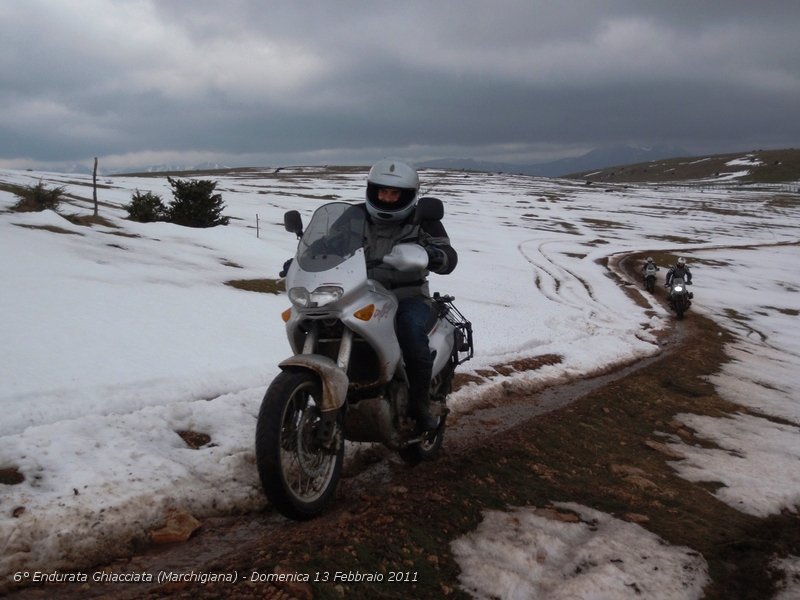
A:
[94, 185]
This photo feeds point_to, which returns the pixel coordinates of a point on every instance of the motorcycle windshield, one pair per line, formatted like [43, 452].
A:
[334, 234]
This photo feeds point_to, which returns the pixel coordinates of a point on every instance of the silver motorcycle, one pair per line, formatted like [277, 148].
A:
[346, 379]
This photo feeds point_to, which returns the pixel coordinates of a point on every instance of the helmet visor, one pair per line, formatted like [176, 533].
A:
[405, 199]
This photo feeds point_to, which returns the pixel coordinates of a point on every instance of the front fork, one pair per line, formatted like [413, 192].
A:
[326, 429]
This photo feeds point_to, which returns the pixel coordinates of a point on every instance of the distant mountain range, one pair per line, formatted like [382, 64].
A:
[596, 159]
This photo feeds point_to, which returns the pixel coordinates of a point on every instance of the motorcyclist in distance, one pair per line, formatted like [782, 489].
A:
[679, 269]
[649, 266]
[391, 200]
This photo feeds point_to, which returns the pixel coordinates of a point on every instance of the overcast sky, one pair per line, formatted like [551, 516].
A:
[255, 82]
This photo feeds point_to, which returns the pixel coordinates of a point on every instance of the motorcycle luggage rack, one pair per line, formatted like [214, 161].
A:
[463, 334]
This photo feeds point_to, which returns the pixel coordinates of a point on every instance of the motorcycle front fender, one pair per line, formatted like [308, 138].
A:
[334, 379]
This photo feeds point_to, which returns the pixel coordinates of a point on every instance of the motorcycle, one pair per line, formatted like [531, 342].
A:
[346, 379]
[679, 296]
[650, 277]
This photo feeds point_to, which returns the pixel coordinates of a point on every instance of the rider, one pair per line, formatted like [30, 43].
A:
[392, 188]
[649, 267]
[679, 269]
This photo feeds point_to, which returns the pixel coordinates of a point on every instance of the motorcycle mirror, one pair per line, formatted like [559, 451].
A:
[293, 222]
[429, 209]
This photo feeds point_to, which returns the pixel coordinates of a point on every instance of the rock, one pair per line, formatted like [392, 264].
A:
[636, 518]
[179, 527]
[555, 515]
[664, 449]
[626, 471]
[642, 483]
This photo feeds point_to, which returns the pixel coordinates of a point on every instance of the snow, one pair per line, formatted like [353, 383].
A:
[117, 337]
[522, 554]
[749, 161]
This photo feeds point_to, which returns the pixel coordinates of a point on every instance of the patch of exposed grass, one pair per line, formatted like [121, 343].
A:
[675, 239]
[11, 188]
[264, 286]
[50, 228]
[783, 201]
[462, 379]
[89, 220]
[604, 225]
[536, 362]
[122, 234]
[530, 363]
[792, 312]
[766, 166]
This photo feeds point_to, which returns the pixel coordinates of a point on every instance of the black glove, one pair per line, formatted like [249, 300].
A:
[286, 266]
[437, 259]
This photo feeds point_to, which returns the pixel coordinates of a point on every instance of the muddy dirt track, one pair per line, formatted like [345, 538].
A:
[525, 448]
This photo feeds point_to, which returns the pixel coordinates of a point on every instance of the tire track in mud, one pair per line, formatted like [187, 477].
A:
[583, 296]
[552, 271]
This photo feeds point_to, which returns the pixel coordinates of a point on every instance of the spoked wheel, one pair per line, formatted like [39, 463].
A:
[298, 470]
[427, 449]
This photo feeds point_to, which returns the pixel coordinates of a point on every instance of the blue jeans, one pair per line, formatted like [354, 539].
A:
[413, 317]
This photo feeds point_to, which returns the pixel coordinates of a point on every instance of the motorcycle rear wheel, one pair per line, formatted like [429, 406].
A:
[298, 473]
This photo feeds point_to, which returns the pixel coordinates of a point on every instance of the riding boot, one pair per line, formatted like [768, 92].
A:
[419, 390]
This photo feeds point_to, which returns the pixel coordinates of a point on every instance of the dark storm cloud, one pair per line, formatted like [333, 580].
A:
[246, 80]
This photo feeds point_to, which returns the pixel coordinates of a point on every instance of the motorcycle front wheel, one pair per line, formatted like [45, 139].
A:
[298, 471]
[680, 306]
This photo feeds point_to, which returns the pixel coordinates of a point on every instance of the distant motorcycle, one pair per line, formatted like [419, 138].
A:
[346, 379]
[679, 296]
[650, 277]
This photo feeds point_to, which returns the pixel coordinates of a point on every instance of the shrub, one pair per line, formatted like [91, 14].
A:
[146, 208]
[195, 204]
[36, 198]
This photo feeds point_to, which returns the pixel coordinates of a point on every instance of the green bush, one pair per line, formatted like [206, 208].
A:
[36, 198]
[195, 204]
[146, 208]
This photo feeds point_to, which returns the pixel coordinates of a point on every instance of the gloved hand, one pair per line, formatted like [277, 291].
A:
[285, 268]
[437, 259]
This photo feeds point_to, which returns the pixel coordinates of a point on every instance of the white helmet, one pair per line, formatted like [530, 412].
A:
[649, 259]
[397, 175]
[681, 262]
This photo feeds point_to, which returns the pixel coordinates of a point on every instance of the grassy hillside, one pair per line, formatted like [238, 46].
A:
[758, 166]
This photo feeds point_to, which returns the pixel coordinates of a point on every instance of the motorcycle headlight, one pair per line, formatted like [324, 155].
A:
[322, 296]
[678, 288]
[299, 296]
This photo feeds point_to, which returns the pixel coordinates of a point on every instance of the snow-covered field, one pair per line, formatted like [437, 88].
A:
[116, 338]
